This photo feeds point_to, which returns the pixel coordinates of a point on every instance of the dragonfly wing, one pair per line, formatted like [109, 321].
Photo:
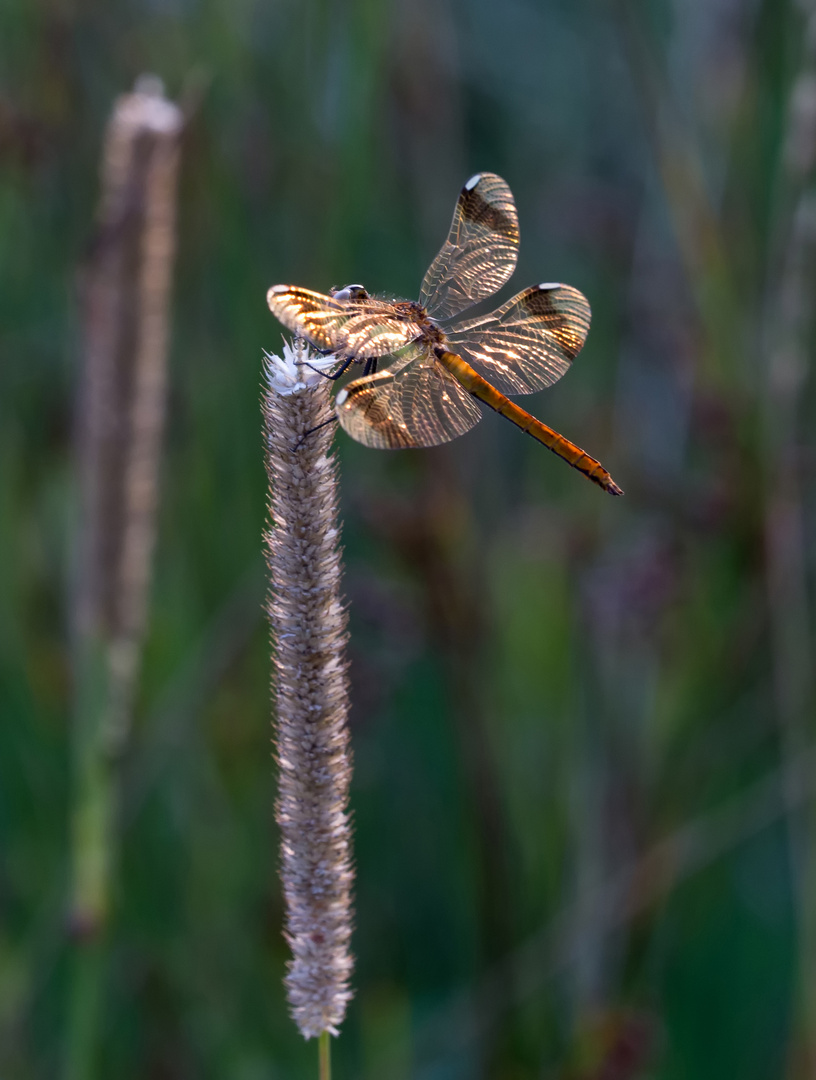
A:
[416, 402]
[530, 342]
[310, 315]
[480, 252]
[376, 331]
[358, 328]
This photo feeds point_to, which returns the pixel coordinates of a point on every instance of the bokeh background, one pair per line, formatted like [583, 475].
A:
[582, 726]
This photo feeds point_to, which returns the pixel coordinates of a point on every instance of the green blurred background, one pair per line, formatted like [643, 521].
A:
[581, 726]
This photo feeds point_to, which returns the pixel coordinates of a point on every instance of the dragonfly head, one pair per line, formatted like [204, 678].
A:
[351, 292]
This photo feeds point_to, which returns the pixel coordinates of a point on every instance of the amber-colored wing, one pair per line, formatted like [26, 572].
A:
[310, 315]
[481, 250]
[359, 328]
[415, 402]
[529, 342]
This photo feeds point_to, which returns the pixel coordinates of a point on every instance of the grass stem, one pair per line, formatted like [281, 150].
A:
[324, 1052]
[121, 419]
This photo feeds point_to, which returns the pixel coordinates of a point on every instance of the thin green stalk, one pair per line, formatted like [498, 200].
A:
[324, 1053]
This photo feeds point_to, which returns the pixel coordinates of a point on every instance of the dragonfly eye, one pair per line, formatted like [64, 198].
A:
[351, 292]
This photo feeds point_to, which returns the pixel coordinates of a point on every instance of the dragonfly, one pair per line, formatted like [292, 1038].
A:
[423, 378]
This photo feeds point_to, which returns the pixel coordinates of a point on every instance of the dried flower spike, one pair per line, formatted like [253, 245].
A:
[120, 420]
[308, 624]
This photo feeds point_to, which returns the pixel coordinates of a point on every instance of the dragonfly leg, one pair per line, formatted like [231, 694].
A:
[369, 369]
[335, 374]
[311, 431]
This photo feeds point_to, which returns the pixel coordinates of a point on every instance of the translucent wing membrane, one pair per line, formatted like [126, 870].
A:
[313, 316]
[416, 402]
[359, 328]
[481, 250]
[529, 342]
[375, 330]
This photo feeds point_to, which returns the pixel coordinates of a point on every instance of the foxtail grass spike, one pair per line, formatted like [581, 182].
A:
[308, 625]
[126, 301]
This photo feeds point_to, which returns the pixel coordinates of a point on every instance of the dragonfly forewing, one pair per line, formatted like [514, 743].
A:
[480, 252]
[350, 328]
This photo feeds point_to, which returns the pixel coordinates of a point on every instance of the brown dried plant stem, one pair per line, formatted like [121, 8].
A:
[121, 417]
[308, 624]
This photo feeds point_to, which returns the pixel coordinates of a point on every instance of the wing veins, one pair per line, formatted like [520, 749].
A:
[529, 342]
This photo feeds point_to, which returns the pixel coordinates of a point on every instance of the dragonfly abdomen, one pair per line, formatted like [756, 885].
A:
[482, 390]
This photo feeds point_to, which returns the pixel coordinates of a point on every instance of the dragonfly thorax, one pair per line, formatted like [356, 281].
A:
[413, 312]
